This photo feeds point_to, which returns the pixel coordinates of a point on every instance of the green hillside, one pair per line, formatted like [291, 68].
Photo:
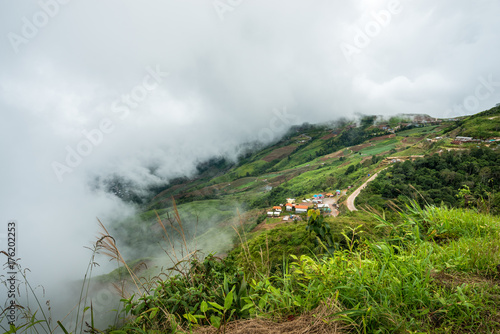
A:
[308, 159]
[483, 125]
[420, 255]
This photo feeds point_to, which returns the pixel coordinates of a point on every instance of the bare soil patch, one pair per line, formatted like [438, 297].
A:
[411, 140]
[331, 135]
[207, 190]
[265, 227]
[337, 154]
[169, 190]
[279, 153]
[318, 321]
[358, 148]
[383, 137]
[452, 280]
[242, 181]
[345, 164]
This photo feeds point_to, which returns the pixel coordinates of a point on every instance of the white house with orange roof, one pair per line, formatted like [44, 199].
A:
[301, 208]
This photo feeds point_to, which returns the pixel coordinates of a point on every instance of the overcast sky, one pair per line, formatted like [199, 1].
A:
[93, 87]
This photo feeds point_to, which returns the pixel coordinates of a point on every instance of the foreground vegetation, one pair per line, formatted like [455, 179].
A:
[425, 270]
[432, 270]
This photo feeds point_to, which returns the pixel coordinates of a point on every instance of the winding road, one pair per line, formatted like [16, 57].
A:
[350, 200]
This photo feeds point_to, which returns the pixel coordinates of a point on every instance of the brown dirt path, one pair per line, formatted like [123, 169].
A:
[350, 200]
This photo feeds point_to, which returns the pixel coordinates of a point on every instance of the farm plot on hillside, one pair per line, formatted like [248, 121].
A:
[358, 148]
[381, 147]
[417, 131]
[279, 153]
[382, 137]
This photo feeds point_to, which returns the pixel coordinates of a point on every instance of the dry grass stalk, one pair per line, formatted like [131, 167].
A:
[178, 219]
[247, 254]
[181, 263]
[107, 242]
[107, 246]
[319, 321]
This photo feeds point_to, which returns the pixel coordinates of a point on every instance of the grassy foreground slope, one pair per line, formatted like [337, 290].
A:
[433, 272]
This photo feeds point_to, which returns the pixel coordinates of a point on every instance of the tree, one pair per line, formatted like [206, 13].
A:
[485, 174]
[465, 196]
[350, 169]
[317, 224]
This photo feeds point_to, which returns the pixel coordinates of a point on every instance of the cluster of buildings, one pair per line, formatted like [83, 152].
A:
[459, 140]
[415, 123]
[434, 140]
[303, 138]
[314, 202]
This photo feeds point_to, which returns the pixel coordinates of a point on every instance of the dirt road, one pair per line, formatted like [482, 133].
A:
[330, 201]
[352, 197]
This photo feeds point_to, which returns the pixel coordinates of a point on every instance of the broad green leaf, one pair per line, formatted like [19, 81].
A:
[215, 321]
[228, 301]
[203, 306]
[154, 310]
[216, 305]
[246, 307]
[190, 318]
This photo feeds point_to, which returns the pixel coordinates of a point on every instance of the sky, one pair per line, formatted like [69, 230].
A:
[99, 88]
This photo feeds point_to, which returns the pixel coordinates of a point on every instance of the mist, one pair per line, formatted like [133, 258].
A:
[146, 91]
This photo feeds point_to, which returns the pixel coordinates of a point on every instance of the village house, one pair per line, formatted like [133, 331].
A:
[460, 140]
[273, 213]
[324, 208]
[301, 208]
[463, 139]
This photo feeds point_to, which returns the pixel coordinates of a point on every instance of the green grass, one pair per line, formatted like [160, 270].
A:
[248, 184]
[304, 156]
[483, 125]
[417, 132]
[273, 220]
[380, 147]
[433, 270]
[249, 168]
[413, 150]
[408, 282]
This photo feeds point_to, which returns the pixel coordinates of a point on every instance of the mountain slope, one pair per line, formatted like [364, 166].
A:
[307, 160]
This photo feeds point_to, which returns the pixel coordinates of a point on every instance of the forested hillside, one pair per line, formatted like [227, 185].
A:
[452, 178]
